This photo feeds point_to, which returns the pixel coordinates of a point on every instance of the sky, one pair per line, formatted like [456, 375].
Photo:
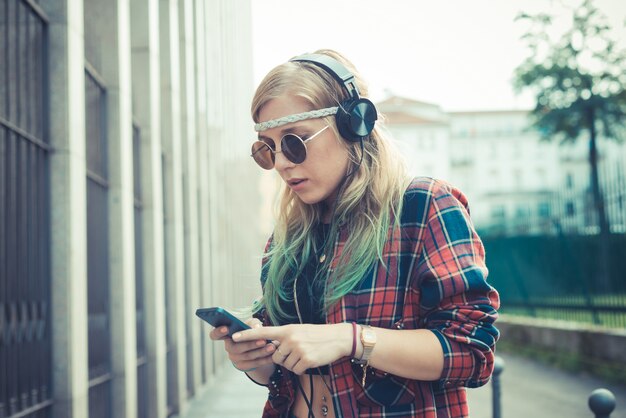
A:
[457, 54]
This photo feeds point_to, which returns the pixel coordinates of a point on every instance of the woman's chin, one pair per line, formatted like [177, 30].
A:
[309, 198]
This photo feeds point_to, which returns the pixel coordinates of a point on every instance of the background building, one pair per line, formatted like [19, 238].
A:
[507, 171]
[422, 132]
[125, 200]
[516, 183]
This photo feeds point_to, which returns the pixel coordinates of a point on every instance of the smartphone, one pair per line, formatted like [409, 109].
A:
[219, 317]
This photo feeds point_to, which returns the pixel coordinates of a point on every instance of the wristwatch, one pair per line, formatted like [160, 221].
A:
[368, 339]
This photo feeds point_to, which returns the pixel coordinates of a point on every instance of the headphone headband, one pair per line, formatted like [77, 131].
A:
[334, 68]
[356, 116]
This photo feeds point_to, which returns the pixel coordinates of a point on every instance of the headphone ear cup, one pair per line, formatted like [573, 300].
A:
[356, 118]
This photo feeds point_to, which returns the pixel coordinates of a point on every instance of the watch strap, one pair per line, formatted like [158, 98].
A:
[367, 347]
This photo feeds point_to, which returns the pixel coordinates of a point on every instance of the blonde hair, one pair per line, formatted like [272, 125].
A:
[368, 204]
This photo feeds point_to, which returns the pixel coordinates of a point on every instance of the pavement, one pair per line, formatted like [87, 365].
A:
[528, 390]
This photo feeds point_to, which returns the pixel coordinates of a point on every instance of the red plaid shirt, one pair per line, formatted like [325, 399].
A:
[435, 279]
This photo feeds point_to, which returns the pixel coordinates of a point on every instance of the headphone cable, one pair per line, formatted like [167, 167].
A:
[309, 403]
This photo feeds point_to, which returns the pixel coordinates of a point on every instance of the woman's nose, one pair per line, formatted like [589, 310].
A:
[281, 162]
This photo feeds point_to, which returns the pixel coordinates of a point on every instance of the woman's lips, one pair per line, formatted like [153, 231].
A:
[296, 184]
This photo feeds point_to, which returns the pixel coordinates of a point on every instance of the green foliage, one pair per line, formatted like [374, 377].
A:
[578, 79]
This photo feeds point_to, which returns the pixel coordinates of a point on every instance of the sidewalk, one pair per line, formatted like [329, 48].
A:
[230, 395]
[528, 390]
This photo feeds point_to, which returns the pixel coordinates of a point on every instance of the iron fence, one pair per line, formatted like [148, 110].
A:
[556, 265]
[555, 277]
[25, 326]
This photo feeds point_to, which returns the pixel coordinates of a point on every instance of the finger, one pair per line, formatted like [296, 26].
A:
[218, 333]
[291, 361]
[254, 323]
[239, 348]
[299, 368]
[267, 351]
[261, 333]
[280, 356]
[251, 364]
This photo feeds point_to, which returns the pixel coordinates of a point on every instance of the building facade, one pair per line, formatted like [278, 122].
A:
[125, 200]
[422, 133]
[516, 183]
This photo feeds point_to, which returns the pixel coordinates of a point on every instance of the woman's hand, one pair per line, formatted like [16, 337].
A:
[249, 355]
[300, 347]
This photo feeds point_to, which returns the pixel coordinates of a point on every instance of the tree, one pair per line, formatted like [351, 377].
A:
[578, 81]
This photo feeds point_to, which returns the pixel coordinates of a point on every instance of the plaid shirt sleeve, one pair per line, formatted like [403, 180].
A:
[457, 303]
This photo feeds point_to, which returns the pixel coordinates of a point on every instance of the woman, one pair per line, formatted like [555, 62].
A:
[375, 299]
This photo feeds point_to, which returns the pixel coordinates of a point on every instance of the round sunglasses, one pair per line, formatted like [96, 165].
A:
[292, 146]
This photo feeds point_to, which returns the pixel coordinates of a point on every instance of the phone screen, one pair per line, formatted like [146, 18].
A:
[219, 317]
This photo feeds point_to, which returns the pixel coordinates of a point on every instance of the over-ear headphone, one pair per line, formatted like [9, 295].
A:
[356, 116]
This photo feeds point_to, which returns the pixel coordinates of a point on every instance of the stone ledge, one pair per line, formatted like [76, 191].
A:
[576, 346]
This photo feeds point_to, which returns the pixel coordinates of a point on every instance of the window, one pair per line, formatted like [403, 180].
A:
[493, 149]
[543, 210]
[498, 212]
[542, 178]
[518, 178]
[569, 181]
[494, 179]
[521, 211]
[25, 359]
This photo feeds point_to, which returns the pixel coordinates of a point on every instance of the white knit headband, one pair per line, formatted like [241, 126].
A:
[320, 113]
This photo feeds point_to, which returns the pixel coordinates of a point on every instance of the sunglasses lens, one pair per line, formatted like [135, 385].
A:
[293, 148]
[263, 155]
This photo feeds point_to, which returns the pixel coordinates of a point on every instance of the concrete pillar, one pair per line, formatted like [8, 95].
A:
[214, 94]
[111, 22]
[220, 195]
[230, 156]
[225, 150]
[146, 68]
[68, 197]
[203, 167]
[190, 173]
[243, 196]
[171, 125]
[244, 246]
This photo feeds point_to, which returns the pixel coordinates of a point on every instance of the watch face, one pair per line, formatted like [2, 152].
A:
[369, 337]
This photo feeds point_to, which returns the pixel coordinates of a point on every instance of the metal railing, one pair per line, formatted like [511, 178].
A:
[554, 263]
[555, 277]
